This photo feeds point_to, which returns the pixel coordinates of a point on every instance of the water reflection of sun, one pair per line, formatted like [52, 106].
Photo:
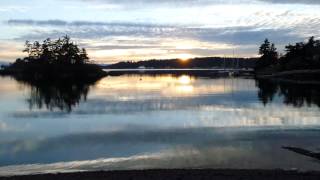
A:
[184, 79]
[145, 86]
[185, 84]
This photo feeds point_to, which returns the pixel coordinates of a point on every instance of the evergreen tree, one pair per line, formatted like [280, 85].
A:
[302, 55]
[269, 55]
[60, 51]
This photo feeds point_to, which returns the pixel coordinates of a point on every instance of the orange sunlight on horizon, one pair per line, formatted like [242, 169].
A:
[184, 57]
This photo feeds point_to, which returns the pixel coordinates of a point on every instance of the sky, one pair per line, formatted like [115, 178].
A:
[116, 30]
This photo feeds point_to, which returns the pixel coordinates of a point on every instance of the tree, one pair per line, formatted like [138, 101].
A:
[83, 56]
[60, 51]
[265, 47]
[302, 55]
[54, 60]
[269, 55]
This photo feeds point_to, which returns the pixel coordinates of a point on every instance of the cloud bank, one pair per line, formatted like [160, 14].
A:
[316, 2]
[120, 30]
[203, 2]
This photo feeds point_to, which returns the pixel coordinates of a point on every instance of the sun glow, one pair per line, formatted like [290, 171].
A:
[184, 57]
[184, 79]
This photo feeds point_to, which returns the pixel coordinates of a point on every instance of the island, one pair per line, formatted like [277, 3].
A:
[56, 60]
[58, 73]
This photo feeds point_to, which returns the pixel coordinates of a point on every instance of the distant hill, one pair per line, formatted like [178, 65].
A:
[206, 62]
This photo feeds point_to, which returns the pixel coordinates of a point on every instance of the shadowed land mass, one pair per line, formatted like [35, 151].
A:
[178, 174]
[300, 61]
[59, 59]
[314, 155]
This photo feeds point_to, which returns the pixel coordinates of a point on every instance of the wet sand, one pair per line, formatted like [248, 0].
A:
[204, 174]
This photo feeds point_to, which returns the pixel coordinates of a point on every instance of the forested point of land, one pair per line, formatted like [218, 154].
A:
[53, 59]
[298, 56]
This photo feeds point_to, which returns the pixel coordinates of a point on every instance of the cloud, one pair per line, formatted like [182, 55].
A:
[29, 22]
[189, 3]
[10, 50]
[293, 1]
[13, 9]
[204, 2]
[180, 3]
[87, 29]
[110, 40]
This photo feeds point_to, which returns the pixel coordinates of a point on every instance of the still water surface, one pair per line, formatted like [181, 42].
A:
[159, 121]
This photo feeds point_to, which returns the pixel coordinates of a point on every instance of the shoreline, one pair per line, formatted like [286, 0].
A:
[291, 81]
[189, 71]
[302, 77]
[177, 174]
[291, 73]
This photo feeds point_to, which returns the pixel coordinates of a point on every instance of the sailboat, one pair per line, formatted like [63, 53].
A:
[235, 69]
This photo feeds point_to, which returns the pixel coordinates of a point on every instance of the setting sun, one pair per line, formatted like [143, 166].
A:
[184, 57]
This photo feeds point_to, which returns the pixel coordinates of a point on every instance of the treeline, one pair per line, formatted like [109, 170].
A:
[206, 62]
[302, 55]
[60, 51]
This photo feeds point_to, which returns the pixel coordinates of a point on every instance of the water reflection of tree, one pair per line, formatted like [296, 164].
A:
[294, 94]
[57, 95]
[267, 90]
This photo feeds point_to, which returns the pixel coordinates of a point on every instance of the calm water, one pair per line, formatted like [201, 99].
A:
[167, 121]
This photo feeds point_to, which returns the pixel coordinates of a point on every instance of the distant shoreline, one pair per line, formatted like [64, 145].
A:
[176, 174]
[180, 71]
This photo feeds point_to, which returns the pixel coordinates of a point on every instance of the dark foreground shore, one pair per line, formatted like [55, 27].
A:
[176, 175]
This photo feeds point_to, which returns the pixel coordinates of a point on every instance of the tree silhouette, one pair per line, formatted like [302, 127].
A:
[54, 59]
[302, 55]
[269, 55]
[291, 93]
[60, 51]
[299, 56]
